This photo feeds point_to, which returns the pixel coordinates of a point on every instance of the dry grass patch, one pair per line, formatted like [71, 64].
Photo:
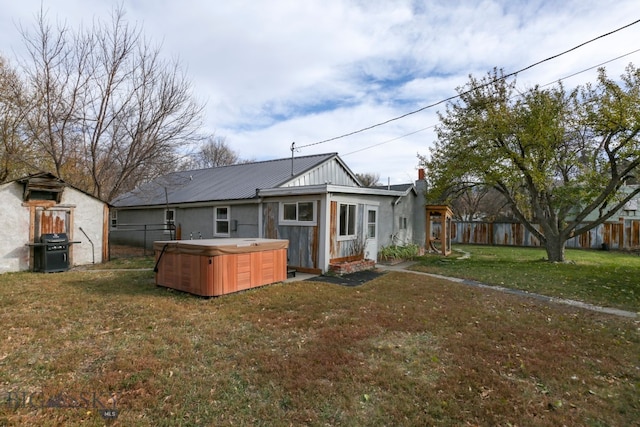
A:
[401, 350]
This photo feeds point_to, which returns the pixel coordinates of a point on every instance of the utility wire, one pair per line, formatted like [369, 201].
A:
[544, 85]
[390, 140]
[591, 68]
[472, 89]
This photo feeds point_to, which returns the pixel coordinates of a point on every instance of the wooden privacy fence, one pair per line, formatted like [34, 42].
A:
[624, 234]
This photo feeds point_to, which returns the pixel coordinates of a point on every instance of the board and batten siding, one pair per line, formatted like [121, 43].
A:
[327, 173]
[303, 240]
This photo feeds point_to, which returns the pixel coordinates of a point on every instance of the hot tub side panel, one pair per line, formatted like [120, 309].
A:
[221, 274]
[238, 272]
[186, 272]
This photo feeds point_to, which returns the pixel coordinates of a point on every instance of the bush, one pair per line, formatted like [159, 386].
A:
[409, 251]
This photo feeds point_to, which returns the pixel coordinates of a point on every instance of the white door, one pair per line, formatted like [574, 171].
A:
[371, 233]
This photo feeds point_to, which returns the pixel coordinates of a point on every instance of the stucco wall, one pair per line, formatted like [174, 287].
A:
[14, 254]
[88, 214]
[390, 210]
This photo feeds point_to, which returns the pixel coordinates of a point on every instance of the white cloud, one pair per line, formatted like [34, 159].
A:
[278, 71]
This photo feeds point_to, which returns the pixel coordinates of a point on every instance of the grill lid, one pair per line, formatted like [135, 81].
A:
[54, 238]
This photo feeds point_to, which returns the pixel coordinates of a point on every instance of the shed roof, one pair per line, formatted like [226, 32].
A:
[234, 182]
[46, 181]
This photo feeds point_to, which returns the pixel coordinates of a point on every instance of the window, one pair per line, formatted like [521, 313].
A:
[221, 221]
[169, 220]
[113, 221]
[403, 223]
[371, 224]
[298, 213]
[347, 220]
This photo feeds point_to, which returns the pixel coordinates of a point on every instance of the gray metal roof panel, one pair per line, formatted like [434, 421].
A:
[394, 187]
[234, 182]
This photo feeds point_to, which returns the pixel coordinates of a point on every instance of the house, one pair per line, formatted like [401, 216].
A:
[43, 204]
[315, 201]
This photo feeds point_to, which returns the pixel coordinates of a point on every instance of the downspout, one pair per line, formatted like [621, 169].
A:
[324, 223]
[393, 218]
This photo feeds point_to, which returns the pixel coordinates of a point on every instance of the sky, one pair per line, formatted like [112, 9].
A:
[275, 72]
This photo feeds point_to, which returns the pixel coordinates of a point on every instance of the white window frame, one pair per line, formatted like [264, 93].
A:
[369, 224]
[216, 220]
[297, 221]
[168, 230]
[402, 223]
[348, 225]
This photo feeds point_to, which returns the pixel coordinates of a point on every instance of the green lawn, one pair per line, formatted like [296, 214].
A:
[403, 349]
[603, 278]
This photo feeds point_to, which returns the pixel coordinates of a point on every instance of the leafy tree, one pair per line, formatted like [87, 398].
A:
[555, 156]
[107, 111]
[368, 179]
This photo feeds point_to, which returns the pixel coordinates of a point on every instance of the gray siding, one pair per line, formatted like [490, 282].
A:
[390, 211]
[247, 220]
[137, 227]
[193, 222]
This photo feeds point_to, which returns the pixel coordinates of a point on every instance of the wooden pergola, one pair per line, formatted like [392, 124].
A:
[438, 224]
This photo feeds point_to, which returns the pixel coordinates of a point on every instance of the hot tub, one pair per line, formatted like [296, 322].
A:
[213, 267]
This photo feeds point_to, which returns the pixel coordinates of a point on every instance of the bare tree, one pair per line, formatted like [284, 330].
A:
[480, 202]
[213, 153]
[368, 179]
[109, 112]
[14, 151]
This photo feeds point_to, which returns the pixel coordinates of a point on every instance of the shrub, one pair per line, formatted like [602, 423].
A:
[409, 251]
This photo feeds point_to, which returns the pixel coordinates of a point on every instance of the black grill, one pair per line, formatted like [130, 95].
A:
[52, 255]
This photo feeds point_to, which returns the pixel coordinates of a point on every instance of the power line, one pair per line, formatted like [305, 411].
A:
[592, 67]
[390, 140]
[472, 89]
[544, 85]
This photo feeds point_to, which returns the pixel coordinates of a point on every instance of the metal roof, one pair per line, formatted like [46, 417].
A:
[234, 182]
[394, 187]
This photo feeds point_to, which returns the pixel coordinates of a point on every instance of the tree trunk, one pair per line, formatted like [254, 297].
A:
[554, 246]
